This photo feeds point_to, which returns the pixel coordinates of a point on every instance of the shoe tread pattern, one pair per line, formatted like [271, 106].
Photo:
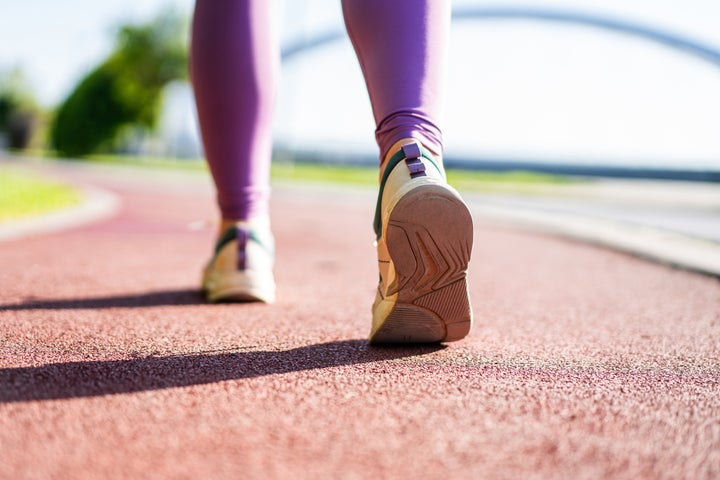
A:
[429, 238]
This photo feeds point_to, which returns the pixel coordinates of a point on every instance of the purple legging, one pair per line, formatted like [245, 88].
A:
[234, 60]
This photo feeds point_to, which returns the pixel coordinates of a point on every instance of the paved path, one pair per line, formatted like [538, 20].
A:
[675, 223]
[584, 363]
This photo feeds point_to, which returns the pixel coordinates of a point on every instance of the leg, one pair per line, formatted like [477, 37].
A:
[234, 61]
[424, 229]
[401, 46]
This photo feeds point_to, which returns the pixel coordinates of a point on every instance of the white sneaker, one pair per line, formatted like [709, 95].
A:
[424, 242]
[241, 269]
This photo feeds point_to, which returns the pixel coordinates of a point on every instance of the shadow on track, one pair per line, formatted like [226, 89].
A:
[96, 378]
[149, 299]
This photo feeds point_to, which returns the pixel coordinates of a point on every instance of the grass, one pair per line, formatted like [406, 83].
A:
[350, 174]
[24, 195]
[151, 162]
[512, 182]
[464, 180]
[309, 172]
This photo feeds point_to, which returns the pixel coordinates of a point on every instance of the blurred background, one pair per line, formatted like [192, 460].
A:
[632, 84]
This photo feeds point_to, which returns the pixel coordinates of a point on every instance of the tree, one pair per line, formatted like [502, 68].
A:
[18, 109]
[123, 90]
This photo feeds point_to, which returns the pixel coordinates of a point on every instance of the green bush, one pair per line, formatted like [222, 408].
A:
[124, 90]
[18, 110]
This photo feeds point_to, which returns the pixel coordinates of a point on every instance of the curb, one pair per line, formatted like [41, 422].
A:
[656, 244]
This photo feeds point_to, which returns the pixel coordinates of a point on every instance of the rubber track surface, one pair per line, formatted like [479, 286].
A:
[583, 363]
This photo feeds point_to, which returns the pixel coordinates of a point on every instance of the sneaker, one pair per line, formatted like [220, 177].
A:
[241, 269]
[424, 241]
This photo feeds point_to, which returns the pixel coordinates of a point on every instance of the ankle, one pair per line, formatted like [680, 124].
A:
[261, 221]
[396, 147]
[401, 143]
[226, 223]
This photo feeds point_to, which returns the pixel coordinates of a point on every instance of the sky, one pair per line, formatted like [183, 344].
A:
[569, 92]
[56, 43]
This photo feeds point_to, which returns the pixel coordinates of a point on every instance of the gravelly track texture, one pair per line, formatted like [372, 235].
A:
[583, 363]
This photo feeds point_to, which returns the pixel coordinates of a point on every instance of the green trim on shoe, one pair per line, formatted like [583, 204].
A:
[231, 233]
[391, 164]
[241, 269]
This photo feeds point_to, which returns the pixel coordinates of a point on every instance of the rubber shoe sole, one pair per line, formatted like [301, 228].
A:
[241, 268]
[239, 287]
[428, 235]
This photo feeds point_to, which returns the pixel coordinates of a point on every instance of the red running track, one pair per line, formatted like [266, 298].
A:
[583, 363]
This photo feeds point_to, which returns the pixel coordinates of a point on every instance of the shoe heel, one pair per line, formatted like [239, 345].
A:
[429, 239]
[443, 315]
[451, 304]
[410, 324]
